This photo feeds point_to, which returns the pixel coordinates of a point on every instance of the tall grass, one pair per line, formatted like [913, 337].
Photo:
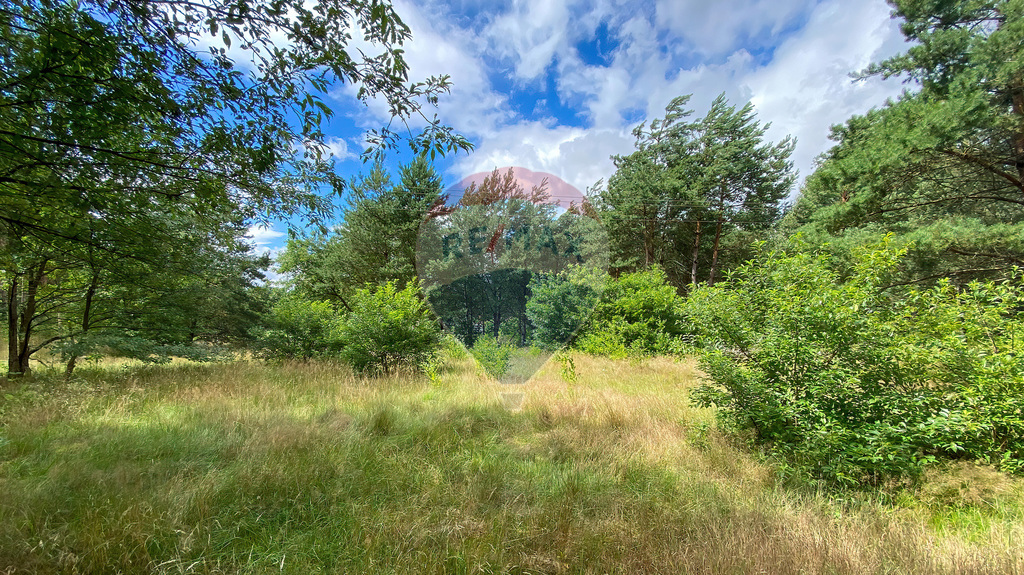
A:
[306, 468]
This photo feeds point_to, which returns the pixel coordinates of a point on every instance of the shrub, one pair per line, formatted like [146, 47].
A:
[388, 328]
[494, 355]
[858, 383]
[452, 348]
[606, 340]
[297, 328]
[560, 304]
[638, 314]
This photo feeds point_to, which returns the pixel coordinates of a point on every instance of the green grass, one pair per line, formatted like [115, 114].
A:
[305, 468]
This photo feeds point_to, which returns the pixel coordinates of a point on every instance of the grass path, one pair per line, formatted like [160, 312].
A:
[304, 468]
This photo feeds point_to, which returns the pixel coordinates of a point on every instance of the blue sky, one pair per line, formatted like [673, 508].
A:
[558, 86]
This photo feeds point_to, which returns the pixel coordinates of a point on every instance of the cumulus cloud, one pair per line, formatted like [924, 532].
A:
[261, 237]
[440, 47]
[579, 156]
[530, 34]
[791, 58]
[265, 240]
[338, 148]
[721, 27]
[807, 86]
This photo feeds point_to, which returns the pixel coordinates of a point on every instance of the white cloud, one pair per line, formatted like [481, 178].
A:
[338, 148]
[719, 27]
[662, 50]
[530, 35]
[438, 48]
[807, 86]
[578, 156]
[262, 237]
[265, 240]
[802, 90]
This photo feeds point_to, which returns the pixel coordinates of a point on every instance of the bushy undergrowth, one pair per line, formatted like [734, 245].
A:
[302, 467]
[298, 328]
[638, 314]
[857, 382]
[93, 347]
[388, 328]
[494, 355]
[560, 304]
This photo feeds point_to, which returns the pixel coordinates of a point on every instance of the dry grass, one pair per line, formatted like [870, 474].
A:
[306, 468]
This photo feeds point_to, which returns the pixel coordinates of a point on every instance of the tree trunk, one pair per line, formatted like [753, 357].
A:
[521, 308]
[470, 326]
[28, 317]
[648, 251]
[491, 279]
[1017, 105]
[522, 328]
[12, 329]
[86, 319]
[714, 253]
[1018, 135]
[696, 251]
[70, 367]
[648, 236]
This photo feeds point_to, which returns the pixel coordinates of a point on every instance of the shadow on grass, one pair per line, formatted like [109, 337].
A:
[306, 469]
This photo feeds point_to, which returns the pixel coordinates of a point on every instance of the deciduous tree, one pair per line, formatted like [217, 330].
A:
[134, 118]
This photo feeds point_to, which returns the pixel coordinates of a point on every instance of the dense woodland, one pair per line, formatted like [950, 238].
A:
[864, 331]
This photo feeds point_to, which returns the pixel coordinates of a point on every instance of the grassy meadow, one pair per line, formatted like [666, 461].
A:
[305, 468]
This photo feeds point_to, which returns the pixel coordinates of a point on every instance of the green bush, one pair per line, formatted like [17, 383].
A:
[859, 383]
[388, 328]
[639, 314]
[452, 348]
[560, 304]
[129, 345]
[494, 355]
[607, 340]
[297, 328]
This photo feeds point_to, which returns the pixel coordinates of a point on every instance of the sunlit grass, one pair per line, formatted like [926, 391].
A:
[307, 468]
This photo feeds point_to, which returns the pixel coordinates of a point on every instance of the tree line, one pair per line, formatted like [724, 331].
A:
[862, 333]
[139, 140]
